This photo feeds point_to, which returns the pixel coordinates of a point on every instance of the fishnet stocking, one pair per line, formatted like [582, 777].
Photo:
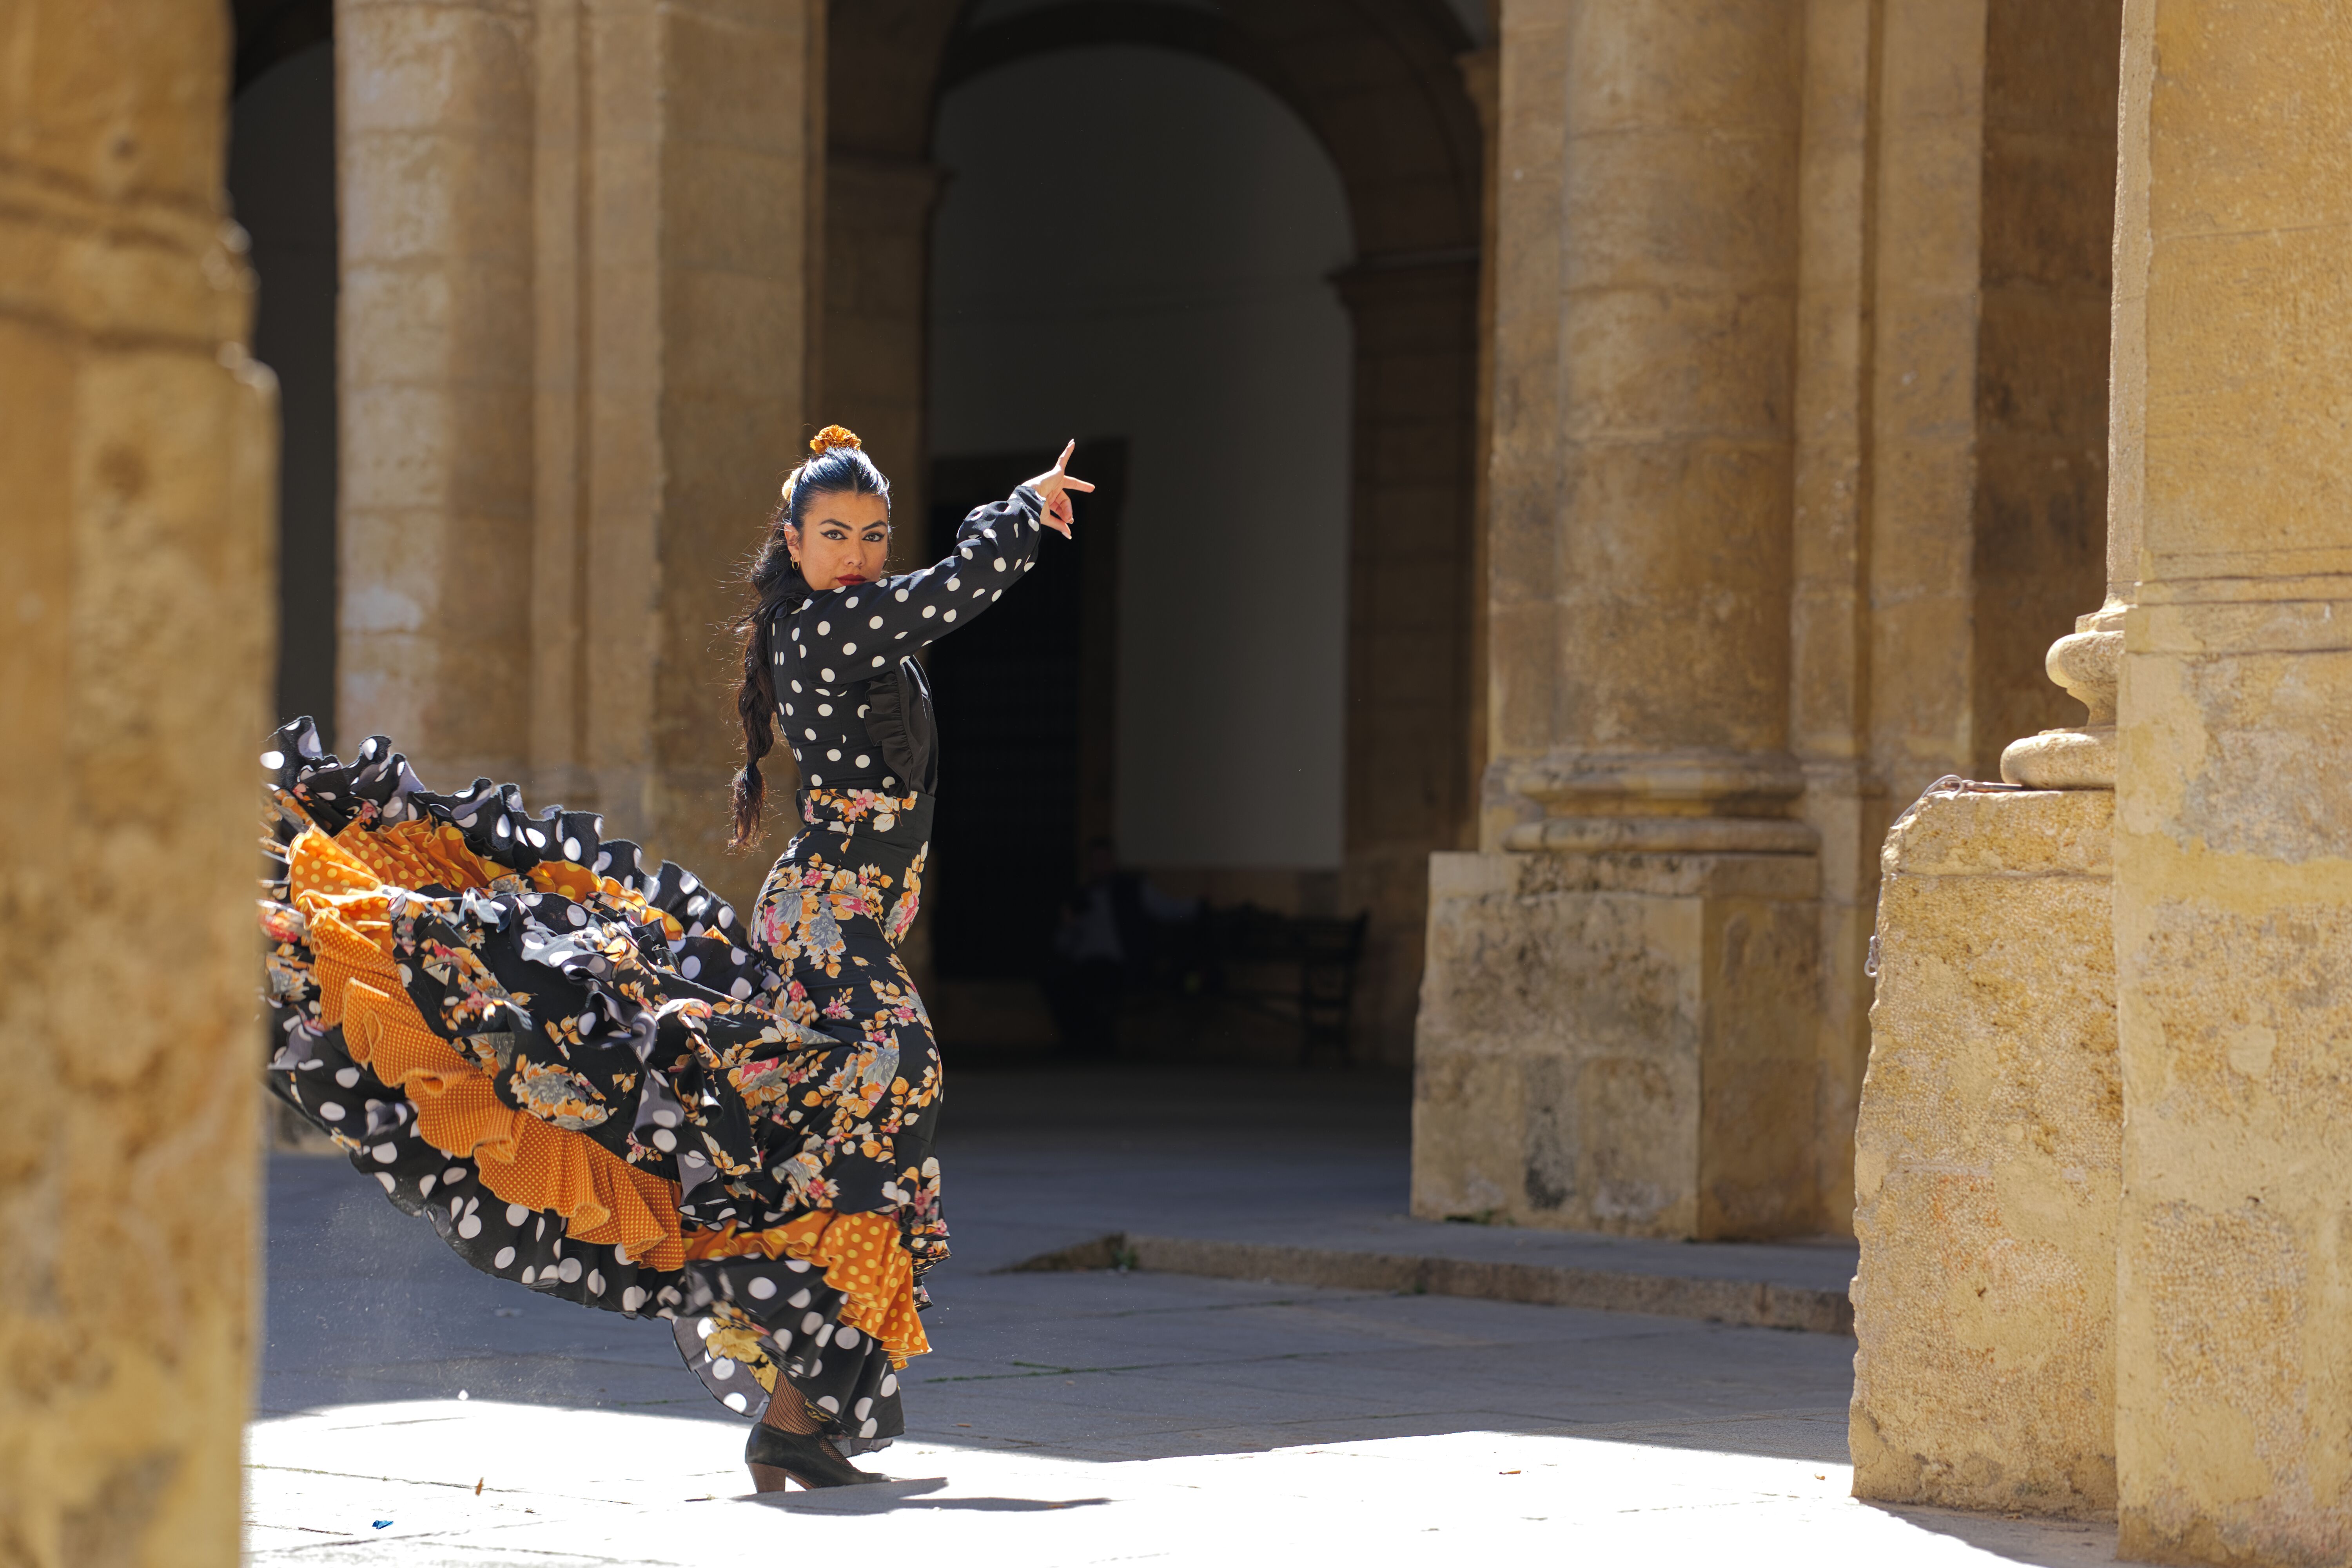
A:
[788, 1412]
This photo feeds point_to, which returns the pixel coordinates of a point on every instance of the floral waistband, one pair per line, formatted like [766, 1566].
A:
[898, 825]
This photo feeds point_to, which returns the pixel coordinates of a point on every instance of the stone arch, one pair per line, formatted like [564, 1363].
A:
[1381, 84]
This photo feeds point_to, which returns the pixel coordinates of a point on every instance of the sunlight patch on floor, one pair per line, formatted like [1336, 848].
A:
[479, 1481]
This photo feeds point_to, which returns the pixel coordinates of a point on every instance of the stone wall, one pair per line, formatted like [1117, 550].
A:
[137, 445]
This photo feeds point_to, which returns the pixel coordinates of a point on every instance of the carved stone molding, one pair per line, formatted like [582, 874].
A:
[1688, 802]
[2086, 663]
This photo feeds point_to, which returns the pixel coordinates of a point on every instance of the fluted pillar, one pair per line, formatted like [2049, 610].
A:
[1617, 1012]
[434, 173]
[582, 257]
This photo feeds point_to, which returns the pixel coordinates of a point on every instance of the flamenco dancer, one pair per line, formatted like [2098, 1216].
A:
[584, 1067]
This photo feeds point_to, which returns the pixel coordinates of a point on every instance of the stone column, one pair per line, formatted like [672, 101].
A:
[1830, 598]
[1617, 1018]
[1645, 335]
[581, 310]
[2233, 839]
[434, 143]
[138, 452]
[741, 304]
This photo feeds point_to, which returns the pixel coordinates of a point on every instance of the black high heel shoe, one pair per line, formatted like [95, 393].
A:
[777, 1457]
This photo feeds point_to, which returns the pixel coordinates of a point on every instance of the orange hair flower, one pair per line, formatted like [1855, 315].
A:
[831, 436]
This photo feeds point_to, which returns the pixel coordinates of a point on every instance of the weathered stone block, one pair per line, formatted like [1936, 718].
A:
[1618, 1042]
[2233, 933]
[1988, 1162]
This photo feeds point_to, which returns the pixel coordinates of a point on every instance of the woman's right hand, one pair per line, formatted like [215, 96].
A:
[1054, 487]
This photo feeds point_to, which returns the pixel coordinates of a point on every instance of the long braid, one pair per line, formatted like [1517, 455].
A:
[837, 464]
[777, 586]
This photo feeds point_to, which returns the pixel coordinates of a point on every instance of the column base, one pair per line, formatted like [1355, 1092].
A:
[1619, 1042]
[2063, 759]
[1988, 1163]
[2087, 664]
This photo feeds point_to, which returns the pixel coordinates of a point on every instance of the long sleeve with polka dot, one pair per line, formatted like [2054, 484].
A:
[829, 649]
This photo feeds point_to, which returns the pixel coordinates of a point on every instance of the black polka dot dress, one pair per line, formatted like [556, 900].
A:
[596, 1080]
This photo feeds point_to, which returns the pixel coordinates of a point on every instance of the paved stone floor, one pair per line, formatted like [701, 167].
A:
[414, 1412]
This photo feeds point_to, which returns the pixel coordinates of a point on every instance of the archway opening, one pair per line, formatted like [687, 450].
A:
[1386, 91]
[1136, 248]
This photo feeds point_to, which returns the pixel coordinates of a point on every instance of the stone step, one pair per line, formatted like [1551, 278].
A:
[1757, 1303]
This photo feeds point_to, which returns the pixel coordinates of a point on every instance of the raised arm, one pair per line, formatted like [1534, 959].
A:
[849, 633]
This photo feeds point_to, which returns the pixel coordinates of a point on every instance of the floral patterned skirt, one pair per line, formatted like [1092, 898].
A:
[592, 1080]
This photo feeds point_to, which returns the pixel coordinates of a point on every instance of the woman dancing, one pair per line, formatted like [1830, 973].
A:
[590, 1075]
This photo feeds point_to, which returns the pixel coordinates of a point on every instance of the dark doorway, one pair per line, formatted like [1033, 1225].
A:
[281, 185]
[1025, 699]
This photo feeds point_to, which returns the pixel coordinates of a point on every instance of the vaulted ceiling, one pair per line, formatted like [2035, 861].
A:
[1377, 82]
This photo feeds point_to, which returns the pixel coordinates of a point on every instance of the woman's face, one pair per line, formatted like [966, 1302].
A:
[843, 540]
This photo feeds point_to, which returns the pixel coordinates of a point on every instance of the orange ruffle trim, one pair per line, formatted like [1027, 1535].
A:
[861, 1258]
[418, 853]
[604, 1199]
[342, 886]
